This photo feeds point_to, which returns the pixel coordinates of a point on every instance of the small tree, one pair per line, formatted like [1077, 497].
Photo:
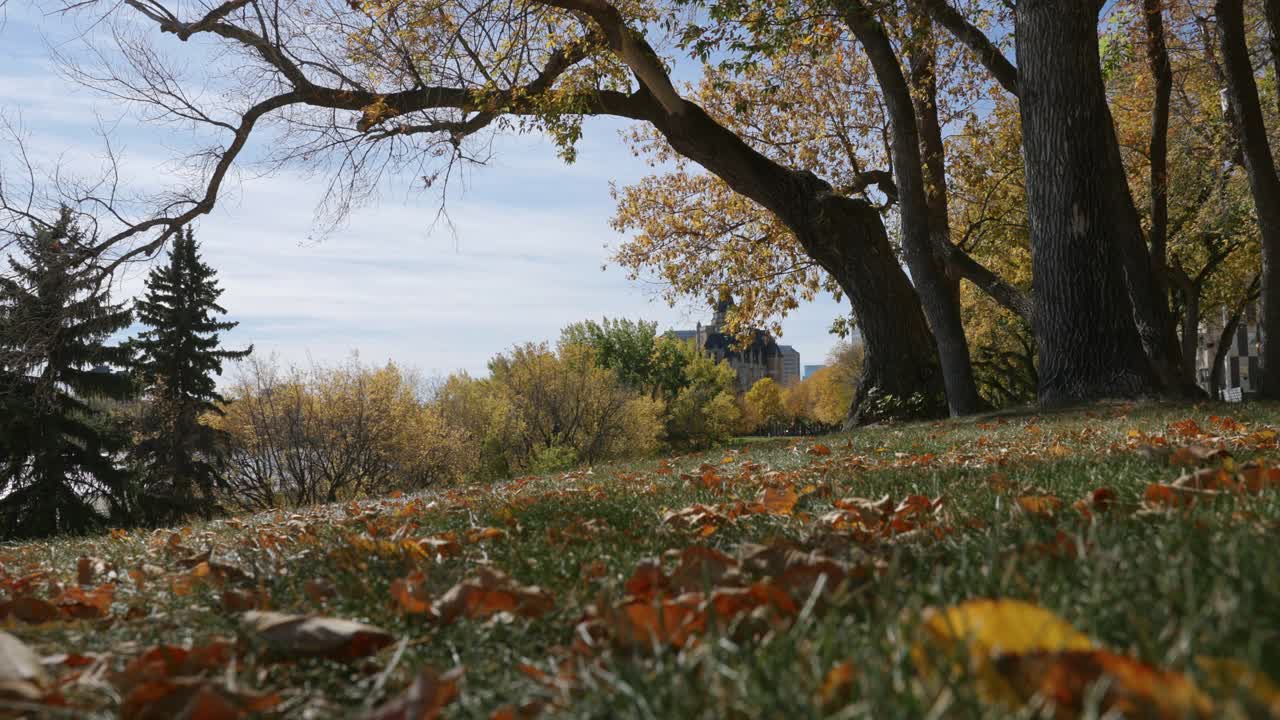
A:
[763, 405]
[179, 355]
[701, 407]
[59, 457]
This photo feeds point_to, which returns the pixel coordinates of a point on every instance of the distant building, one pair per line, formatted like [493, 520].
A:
[811, 369]
[1240, 367]
[761, 357]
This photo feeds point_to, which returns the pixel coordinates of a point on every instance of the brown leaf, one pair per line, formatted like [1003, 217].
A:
[236, 600]
[778, 501]
[1133, 688]
[308, 636]
[88, 568]
[319, 590]
[411, 593]
[489, 592]
[34, 610]
[701, 567]
[1040, 504]
[425, 699]
[192, 699]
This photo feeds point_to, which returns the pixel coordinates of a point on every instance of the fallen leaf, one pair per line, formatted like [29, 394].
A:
[976, 632]
[1068, 680]
[488, 592]
[1040, 504]
[425, 699]
[411, 594]
[34, 610]
[308, 636]
[819, 449]
[778, 501]
[838, 681]
[21, 672]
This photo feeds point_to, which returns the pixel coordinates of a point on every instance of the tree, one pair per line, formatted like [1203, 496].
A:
[701, 407]
[564, 406]
[61, 463]
[179, 356]
[1246, 111]
[763, 406]
[415, 88]
[332, 433]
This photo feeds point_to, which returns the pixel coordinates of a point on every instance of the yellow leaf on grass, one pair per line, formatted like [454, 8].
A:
[974, 633]
[1234, 678]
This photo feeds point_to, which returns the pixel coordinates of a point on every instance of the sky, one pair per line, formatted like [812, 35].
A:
[528, 251]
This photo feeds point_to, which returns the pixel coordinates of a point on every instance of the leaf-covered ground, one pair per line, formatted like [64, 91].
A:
[1123, 558]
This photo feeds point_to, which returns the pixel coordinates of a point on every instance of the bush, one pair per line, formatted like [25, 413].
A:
[328, 434]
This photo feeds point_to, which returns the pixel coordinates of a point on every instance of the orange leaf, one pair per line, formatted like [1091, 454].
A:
[489, 592]
[1040, 504]
[778, 501]
[1133, 688]
[838, 680]
[411, 593]
[819, 449]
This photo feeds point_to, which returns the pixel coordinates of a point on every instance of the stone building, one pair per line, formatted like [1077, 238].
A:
[1240, 371]
[761, 357]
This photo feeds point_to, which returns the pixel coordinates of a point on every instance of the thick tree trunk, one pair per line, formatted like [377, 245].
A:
[1242, 93]
[922, 230]
[901, 377]
[1190, 326]
[1088, 342]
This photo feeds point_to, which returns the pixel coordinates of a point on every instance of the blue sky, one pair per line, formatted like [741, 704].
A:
[524, 258]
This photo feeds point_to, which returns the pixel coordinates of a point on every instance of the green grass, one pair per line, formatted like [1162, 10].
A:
[1161, 586]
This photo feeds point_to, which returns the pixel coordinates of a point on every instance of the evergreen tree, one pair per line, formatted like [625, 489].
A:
[178, 356]
[59, 460]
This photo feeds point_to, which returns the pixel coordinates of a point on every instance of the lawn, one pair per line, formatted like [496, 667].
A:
[1061, 564]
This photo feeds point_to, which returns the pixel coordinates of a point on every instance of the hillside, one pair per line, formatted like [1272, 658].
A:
[828, 577]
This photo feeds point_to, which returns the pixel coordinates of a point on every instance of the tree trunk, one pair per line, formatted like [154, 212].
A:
[1190, 327]
[1088, 342]
[1227, 338]
[901, 377]
[1242, 94]
[921, 232]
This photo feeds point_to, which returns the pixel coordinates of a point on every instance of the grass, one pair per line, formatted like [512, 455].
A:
[1161, 585]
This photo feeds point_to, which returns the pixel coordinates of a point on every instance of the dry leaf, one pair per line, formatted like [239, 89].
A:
[307, 636]
[489, 592]
[978, 631]
[22, 676]
[1132, 689]
[778, 501]
[425, 699]
[411, 594]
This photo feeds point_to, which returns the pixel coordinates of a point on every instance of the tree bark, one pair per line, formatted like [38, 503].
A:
[1081, 232]
[922, 230]
[1158, 149]
[1242, 95]
[901, 376]
[1227, 337]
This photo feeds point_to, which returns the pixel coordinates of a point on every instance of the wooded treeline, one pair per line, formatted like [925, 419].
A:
[1061, 223]
[96, 431]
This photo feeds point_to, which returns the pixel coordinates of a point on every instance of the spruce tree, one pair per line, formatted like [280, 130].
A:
[178, 356]
[60, 464]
